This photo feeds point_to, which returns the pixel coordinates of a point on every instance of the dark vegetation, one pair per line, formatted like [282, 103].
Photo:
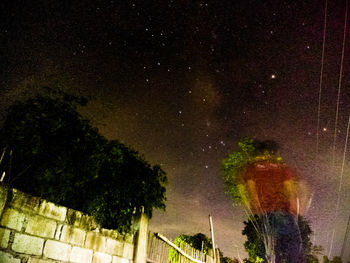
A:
[281, 225]
[255, 245]
[200, 242]
[51, 151]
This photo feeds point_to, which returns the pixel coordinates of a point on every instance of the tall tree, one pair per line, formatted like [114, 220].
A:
[54, 153]
[256, 176]
[255, 245]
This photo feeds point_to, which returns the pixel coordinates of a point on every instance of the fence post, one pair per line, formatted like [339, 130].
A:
[217, 260]
[141, 244]
[212, 237]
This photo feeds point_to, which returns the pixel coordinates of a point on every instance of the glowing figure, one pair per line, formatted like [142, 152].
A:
[275, 193]
[272, 187]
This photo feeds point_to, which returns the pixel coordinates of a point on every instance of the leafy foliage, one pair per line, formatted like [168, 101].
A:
[254, 244]
[250, 151]
[174, 256]
[224, 259]
[200, 242]
[196, 241]
[58, 155]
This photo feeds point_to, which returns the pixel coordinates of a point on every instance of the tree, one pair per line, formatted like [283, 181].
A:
[54, 153]
[256, 177]
[255, 245]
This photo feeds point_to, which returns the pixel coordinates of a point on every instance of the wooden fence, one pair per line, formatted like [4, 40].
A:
[162, 250]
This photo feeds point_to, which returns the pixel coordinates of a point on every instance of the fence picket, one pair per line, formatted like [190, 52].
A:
[158, 248]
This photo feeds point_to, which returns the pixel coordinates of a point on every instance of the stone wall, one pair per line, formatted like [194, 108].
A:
[33, 230]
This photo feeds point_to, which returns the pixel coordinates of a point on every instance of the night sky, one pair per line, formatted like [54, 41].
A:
[182, 81]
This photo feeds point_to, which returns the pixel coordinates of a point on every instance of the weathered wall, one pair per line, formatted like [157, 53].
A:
[33, 230]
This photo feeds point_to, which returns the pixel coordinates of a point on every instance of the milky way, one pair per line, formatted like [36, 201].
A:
[182, 81]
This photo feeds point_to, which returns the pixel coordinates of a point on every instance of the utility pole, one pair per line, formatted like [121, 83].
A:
[142, 239]
[212, 237]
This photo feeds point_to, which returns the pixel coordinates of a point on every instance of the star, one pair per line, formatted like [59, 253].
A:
[212, 69]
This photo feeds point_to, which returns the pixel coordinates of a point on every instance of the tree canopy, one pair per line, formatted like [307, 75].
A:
[54, 153]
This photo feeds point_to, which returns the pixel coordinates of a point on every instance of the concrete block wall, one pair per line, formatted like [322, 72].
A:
[33, 230]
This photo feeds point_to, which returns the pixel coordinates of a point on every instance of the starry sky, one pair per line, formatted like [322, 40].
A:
[182, 81]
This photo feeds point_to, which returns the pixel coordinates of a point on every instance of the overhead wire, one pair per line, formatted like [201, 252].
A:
[321, 78]
[339, 85]
[341, 179]
[345, 238]
[335, 128]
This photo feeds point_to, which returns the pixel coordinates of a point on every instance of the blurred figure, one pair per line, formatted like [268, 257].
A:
[276, 193]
